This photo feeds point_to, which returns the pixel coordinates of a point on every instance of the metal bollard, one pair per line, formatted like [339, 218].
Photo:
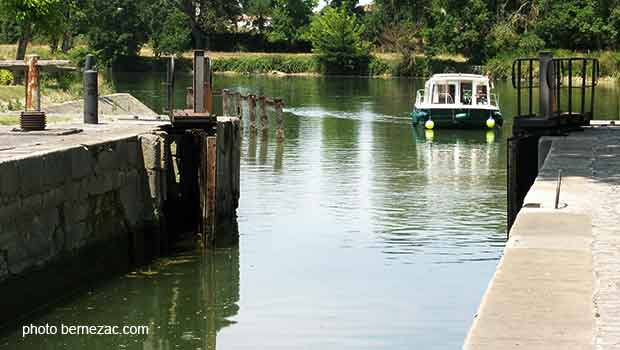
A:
[89, 63]
[91, 97]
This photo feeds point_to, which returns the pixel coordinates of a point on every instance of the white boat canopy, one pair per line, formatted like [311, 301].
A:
[464, 91]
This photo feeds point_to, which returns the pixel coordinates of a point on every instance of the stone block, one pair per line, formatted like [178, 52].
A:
[30, 172]
[133, 150]
[31, 204]
[151, 146]
[4, 265]
[10, 210]
[56, 166]
[107, 158]
[9, 178]
[131, 204]
[82, 162]
[76, 211]
[77, 235]
[127, 153]
[54, 197]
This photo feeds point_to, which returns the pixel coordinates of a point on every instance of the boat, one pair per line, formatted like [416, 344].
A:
[457, 101]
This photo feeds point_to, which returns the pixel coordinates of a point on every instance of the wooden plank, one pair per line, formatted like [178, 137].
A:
[45, 64]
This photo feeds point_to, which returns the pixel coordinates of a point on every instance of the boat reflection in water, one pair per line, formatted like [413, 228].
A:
[469, 153]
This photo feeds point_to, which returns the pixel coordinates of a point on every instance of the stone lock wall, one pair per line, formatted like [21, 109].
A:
[104, 199]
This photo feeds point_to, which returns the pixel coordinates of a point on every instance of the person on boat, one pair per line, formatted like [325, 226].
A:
[481, 96]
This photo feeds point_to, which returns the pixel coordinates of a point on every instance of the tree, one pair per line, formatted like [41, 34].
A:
[260, 10]
[290, 19]
[349, 5]
[208, 16]
[405, 38]
[337, 39]
[169, 29]
[459, 26]
[67, 25]
[28, 14]
[118, 28]
[574, 24]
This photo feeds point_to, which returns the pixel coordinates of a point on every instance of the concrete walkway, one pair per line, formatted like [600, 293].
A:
[558, 284]
[22, 144]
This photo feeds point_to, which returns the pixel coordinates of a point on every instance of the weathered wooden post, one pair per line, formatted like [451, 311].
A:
[279, 119]
[33, 93]
[207, 185]
[208, 86]
[32, 118]
[225, 93]
[252, 112]
[227, 179]
[238, 104]
[262, 105]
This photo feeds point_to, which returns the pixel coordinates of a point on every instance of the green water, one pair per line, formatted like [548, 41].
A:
[358, 232]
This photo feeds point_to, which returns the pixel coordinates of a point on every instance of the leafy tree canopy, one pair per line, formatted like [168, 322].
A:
[336, 37]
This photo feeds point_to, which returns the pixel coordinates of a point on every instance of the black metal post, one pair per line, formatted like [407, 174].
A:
[546, 87]
[91, 92]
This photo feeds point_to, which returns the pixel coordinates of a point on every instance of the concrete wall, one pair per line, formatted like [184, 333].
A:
[541, 295]
[103, 199]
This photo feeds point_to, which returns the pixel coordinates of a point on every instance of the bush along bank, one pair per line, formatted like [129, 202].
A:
[310, 64]
[500, 67]
[257, 63]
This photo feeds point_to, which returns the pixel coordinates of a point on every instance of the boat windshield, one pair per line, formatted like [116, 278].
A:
[466, 92]
[482, 95]
[444, 93]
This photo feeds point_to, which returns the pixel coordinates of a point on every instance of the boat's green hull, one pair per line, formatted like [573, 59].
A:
[457, 118]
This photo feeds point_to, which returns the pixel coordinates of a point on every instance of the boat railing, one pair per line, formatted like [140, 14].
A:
[419, 98]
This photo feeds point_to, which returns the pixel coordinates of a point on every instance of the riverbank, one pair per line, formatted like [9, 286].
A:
[306, 64]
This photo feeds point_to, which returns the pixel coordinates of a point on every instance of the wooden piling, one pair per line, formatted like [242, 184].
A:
[238, 105]
[208, 90]
[227, 176]
[252, 112]
[225, 93]
[208, 189]
[262, 106]
[279, 105]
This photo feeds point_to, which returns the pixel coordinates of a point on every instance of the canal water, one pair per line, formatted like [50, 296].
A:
[358, 232]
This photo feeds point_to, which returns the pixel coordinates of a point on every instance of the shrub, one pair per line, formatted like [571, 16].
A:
[6, 77]
[77, 55]
[530, 43]
[378, 67]
[610, 63]
[266, 64]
